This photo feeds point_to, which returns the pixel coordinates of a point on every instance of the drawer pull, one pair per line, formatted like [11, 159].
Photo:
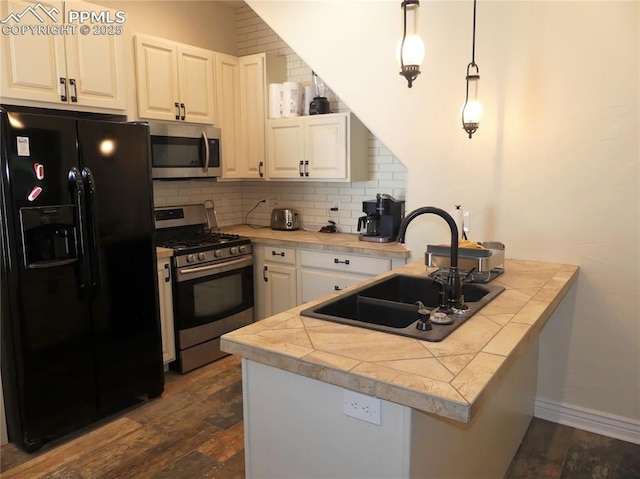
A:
[273, 253]
[337, 261]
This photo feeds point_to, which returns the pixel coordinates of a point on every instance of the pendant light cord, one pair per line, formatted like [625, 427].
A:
[473, 42]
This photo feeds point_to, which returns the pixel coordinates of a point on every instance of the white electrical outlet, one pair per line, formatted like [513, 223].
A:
[361, 406]
[272, 202]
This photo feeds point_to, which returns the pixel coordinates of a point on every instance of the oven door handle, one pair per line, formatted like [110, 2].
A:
[219, 267]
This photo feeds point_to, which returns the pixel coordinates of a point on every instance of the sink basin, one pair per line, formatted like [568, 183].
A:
[389, 305]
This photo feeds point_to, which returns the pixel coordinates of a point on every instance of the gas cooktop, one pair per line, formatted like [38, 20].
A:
[186, 229]
[201, 240]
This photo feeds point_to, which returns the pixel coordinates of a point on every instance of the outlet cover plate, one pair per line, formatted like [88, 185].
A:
[363, 407]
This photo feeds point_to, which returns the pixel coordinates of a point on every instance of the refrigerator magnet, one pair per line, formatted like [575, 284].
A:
[35, 192]
[38, 168]
[23, 146]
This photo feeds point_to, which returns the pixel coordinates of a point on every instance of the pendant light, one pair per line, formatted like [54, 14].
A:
[472, 109]
[410, 49]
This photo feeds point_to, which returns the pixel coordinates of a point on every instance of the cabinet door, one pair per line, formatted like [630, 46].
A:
[95, 65]
[166, 311]
[195, 67]
[315, 283]
[285, 144]
[33, 65]
[325, 140]
[227, 87]
[280, 288]
[252, 114]
[157, 78]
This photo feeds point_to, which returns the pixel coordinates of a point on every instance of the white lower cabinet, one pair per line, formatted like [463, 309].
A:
[166, 310]
[316, 283]
[286, 277]
[275, 279]
[321, 273]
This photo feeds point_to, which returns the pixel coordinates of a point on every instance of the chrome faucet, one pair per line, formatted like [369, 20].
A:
[454, 283]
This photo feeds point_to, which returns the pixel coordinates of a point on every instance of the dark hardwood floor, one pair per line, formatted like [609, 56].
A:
[195, 430]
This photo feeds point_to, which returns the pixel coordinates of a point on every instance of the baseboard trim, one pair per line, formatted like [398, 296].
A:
[598, 422]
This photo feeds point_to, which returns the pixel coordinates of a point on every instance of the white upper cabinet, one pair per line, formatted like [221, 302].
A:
[241, 87]
[331, 147]
[174, 81]
[62, 69]
[227, 86]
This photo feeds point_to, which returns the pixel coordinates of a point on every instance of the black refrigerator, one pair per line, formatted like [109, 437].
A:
[80, 327]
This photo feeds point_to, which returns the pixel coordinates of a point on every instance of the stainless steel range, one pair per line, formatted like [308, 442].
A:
[212, 282]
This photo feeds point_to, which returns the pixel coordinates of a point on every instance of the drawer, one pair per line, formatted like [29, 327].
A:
[345, 263]
[315, 284]
[280, 255]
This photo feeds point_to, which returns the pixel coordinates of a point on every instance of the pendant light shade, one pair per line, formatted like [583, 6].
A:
[410, 49]
[472, 108]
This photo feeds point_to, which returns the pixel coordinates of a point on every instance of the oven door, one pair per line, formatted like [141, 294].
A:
[212, 293]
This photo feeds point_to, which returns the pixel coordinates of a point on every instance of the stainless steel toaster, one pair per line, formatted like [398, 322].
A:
[285, 219]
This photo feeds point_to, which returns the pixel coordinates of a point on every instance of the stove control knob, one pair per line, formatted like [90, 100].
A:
[243, 249]
[201, 256]
[190, 258]
[234, 250]
[217, 253]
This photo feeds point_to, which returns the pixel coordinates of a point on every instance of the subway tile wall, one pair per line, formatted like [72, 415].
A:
[241, 202]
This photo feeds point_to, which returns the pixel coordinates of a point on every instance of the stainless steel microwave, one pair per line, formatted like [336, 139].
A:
[184, 151]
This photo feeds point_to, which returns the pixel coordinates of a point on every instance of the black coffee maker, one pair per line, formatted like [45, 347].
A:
[382, 222]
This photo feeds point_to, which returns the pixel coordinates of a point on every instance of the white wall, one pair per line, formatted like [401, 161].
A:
[210, 24]
[553, 171]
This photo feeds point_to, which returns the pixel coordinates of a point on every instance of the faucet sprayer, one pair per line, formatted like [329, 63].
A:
[453, 278]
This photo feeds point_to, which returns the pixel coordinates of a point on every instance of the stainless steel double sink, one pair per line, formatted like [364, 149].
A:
[390, 305]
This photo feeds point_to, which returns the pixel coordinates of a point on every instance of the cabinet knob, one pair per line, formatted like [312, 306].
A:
[337, 288]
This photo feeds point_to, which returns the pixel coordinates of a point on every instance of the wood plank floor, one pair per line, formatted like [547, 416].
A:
[195, 430]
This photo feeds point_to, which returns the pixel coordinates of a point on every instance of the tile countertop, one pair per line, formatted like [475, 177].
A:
[163, 252]
[450, 378]
[343, 242]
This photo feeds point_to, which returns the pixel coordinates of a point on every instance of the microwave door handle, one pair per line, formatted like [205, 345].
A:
[206, 152]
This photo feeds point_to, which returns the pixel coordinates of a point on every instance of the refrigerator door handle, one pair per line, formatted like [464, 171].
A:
[206, 152]
[87, 176]
[76, 188]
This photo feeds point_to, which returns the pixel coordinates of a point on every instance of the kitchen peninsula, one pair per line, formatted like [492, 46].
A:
[456, 408]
